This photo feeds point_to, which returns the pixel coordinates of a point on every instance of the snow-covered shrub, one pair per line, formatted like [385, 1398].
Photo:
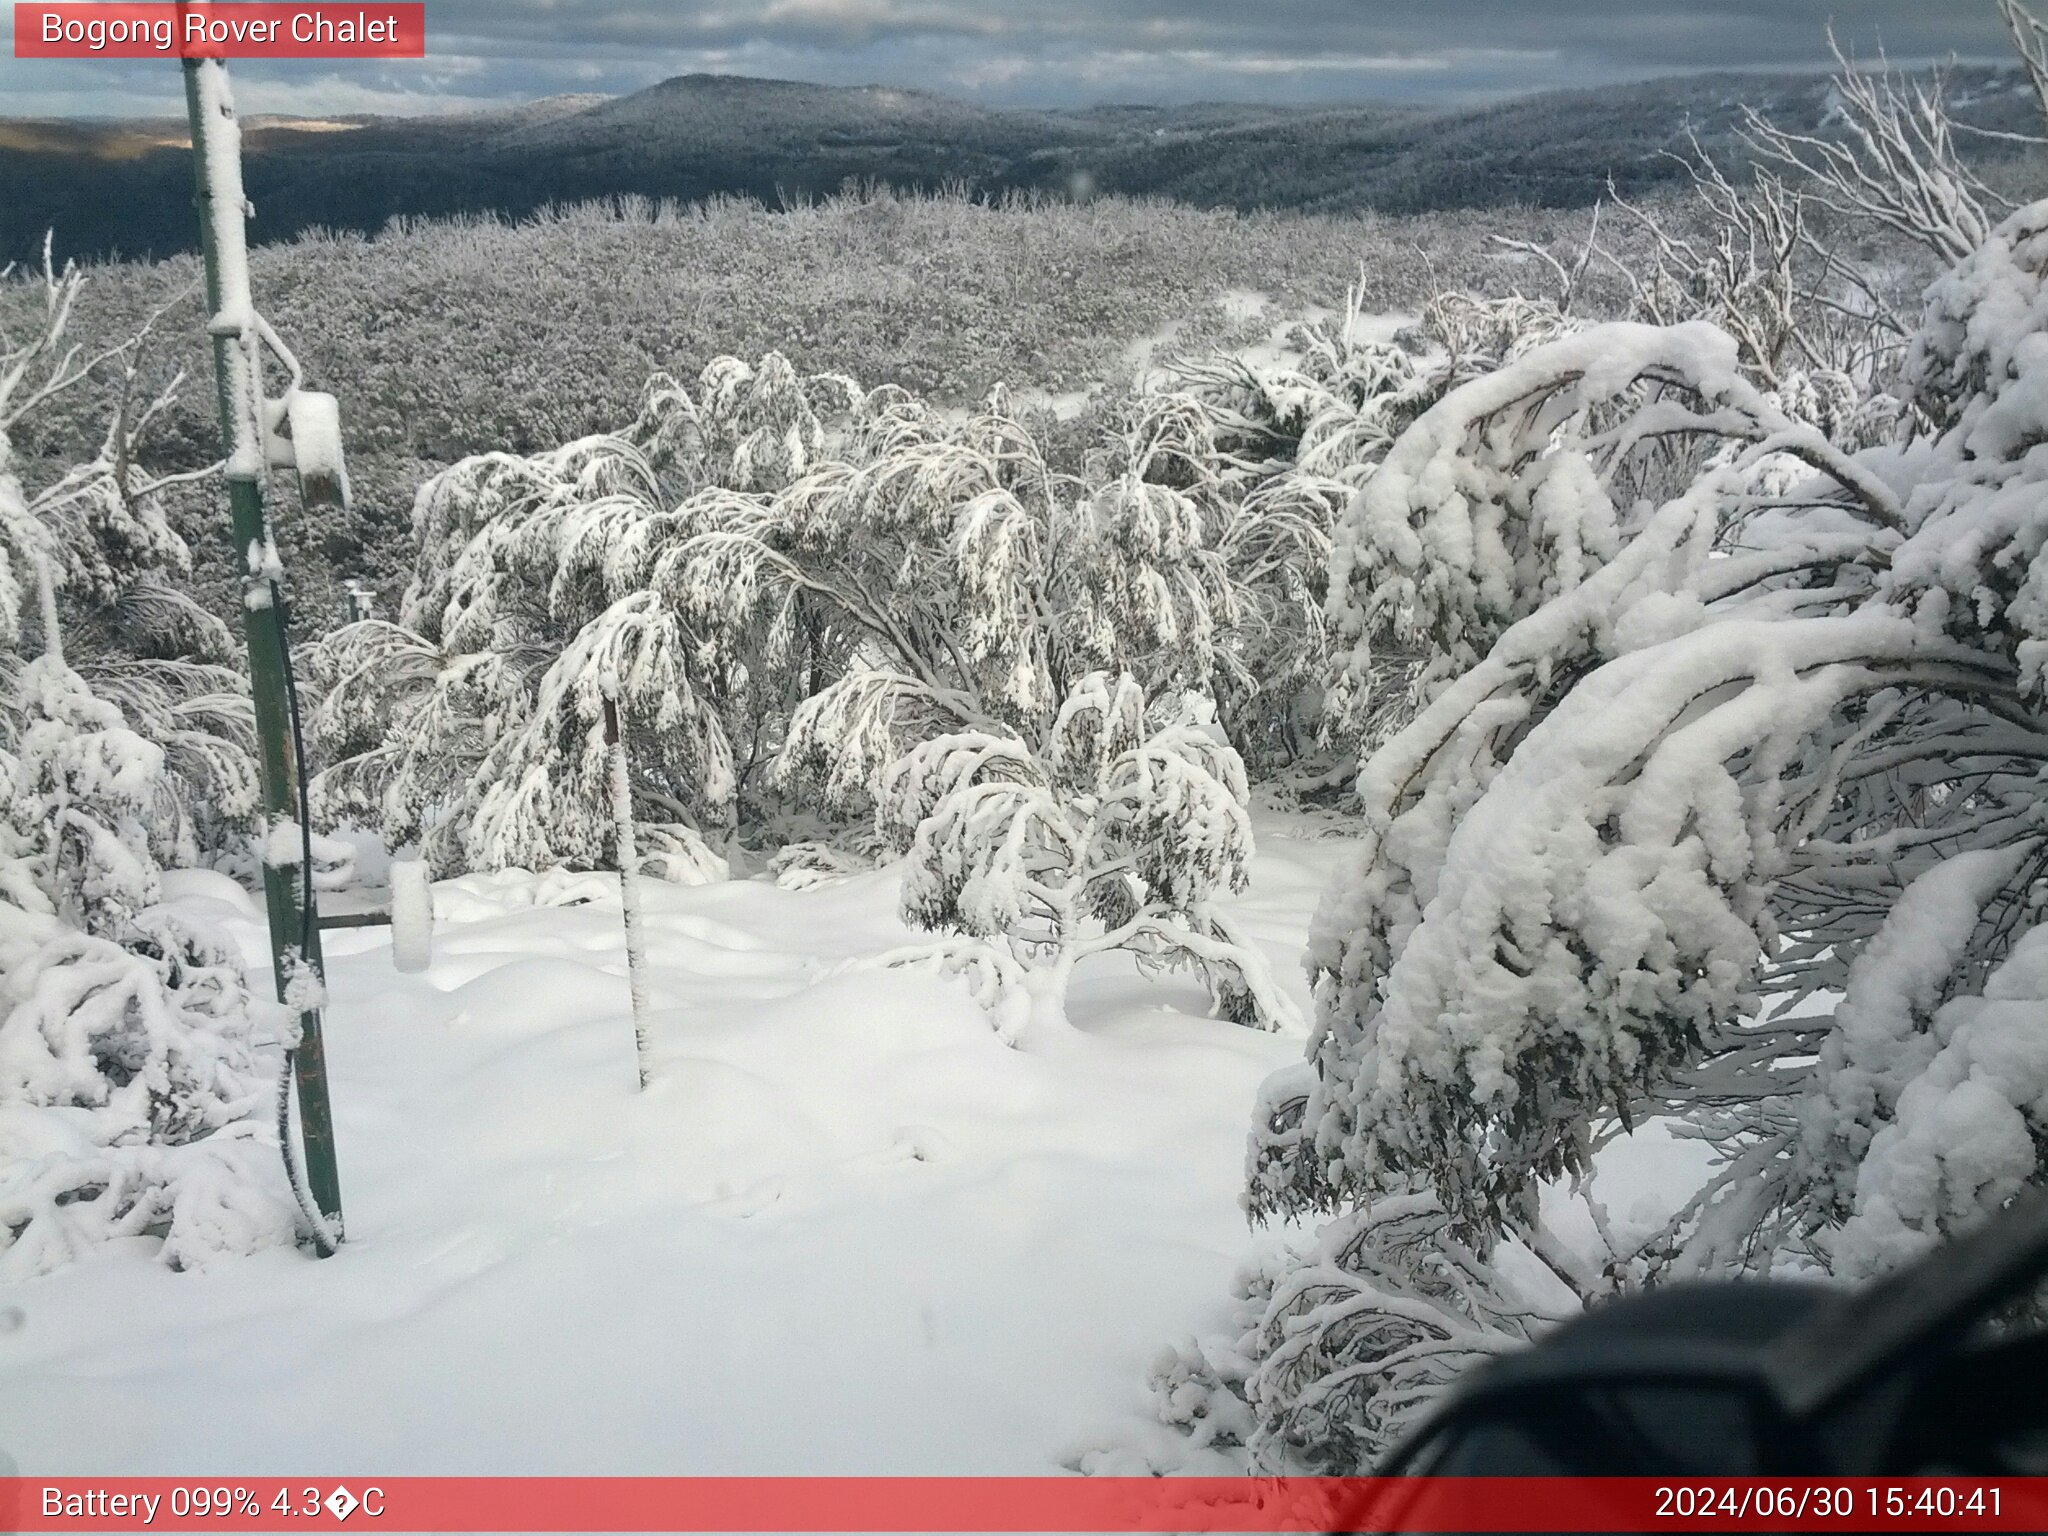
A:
[544, 795]
[789, 572]
[1338, 394]
[133, 1096]
[760, 428]
[399, 733]
[89, 558]
[1369, 1325]
[947, 557]
[1116, 831]
[805, 866]
[132, 1089]
[124, 741]
[476, 724]
[1294, 439]
[1623, 907]
[1724, 808]
[82, 790]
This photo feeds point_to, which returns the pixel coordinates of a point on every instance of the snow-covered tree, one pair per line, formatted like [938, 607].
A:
[1293, 440]
[475, 723]
[135, 1082]
[1897, 165]
[89, 557]
[957, 578]
[1116, 831]
[1724, 808]
[545, 797]
[83, 790]
[95, 534]
[133, 1089]
[1811, 326]
[1341, 390]
[781, 571]
[134, 1095]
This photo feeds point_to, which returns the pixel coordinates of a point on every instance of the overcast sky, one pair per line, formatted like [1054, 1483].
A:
[1046, 52]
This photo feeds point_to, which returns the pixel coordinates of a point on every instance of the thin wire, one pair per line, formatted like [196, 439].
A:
[324, 1235]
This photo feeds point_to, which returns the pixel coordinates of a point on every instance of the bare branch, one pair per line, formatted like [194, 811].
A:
[1898, 166]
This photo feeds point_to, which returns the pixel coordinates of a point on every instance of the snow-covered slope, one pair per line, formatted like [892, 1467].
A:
[847, 1231]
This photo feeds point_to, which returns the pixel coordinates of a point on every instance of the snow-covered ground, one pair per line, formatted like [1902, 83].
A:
[847, 1231]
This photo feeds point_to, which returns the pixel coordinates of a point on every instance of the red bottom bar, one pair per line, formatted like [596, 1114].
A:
[1004, 1504]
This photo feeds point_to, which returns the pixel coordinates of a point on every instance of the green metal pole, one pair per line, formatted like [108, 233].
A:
[294, 926]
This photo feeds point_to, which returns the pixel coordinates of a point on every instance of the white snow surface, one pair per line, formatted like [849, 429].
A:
[847, 1230]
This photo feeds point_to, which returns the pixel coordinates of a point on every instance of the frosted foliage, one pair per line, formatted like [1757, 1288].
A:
[947, 554]
[1721, 807]
[1116, 833]
[1293, 441]
[1361, 1333]
[797, 580]
[474, 723]
[131, 1091]
[1981, 318]
[1339, 396]
[895, 571]
[1965, 1131]
[133, 1094]
[136, 732]
[764, 426]
[1884, 1032]
[103, 779]
[1477, 516]
[132, 1097]
[546, 796]
[83, 789]
[401, 732]
[1635, 896]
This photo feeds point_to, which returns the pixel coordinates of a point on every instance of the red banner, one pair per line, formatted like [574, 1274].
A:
[238, 31]
[1004, 1504]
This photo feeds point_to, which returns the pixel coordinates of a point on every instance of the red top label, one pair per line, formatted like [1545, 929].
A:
[212, 31]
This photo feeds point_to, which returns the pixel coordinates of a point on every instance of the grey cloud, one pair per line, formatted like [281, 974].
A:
[1060, 52]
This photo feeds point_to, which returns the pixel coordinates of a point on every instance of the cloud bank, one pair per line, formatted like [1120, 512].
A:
[1049, 52]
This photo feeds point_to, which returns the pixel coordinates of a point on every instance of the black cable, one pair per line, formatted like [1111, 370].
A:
[307, 920]
[291, 696]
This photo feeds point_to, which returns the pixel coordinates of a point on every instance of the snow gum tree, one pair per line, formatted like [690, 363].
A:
[792, 581]
[1290, 442]
[134, 1061]
[997, 629]
[887, 606]
[475, 724]
[1723, 809]
[1115, 831]
[963, 580]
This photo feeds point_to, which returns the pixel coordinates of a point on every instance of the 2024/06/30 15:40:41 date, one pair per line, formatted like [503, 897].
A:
[1836, 1501]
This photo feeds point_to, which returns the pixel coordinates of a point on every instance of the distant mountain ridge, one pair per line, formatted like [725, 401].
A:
[734, 111]
[111, 188]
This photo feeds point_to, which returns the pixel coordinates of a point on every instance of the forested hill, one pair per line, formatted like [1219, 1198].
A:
[124, 188]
